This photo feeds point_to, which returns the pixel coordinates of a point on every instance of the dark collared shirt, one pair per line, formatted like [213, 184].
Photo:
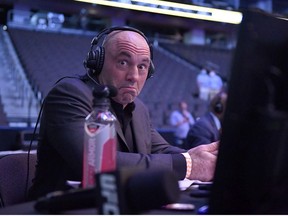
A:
[124, 116]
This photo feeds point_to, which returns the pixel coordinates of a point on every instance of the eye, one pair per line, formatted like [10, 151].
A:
[123, 62]
[143, 67]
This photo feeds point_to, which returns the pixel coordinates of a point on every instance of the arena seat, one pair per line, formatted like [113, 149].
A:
[48, 56]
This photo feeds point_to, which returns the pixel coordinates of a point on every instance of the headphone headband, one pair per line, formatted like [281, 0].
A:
[117, 28]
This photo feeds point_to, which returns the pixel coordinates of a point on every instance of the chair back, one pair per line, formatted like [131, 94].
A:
[16, 177]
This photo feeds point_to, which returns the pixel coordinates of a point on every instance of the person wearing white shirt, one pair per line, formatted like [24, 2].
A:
[216, 83]
[203, 83]
[181, 119]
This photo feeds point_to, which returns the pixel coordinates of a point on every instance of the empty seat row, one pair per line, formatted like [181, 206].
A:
[48, 56]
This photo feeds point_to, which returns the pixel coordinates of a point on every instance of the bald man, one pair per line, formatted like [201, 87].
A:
[127, 64]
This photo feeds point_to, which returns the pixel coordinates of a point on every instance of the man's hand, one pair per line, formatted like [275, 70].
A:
[203, 161]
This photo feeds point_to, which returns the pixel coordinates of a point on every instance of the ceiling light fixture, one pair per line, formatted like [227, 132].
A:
[174, 9]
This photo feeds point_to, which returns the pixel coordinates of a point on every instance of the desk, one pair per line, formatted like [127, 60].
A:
[185, 197]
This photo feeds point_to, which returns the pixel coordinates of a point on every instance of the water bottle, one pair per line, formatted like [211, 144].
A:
[99, 138]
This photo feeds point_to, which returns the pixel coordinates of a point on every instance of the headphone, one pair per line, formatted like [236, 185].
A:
[95, 57]
[218, 106]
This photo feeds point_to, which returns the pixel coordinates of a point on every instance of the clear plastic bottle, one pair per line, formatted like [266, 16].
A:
[99, 138]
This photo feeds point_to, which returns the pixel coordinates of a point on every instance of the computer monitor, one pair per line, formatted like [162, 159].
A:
[251, 175]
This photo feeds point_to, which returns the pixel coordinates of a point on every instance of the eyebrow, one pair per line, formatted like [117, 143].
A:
[124, 53]
[127, 54]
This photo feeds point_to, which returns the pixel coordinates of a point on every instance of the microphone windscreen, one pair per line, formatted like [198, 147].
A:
[104, 91]
[112, 91]
[153, 189]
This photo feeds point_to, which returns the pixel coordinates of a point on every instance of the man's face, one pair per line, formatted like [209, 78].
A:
[127, 60]
[183, 106]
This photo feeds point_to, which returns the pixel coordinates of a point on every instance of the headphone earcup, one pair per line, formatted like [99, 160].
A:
[218, 108]
[151, 70]
[95, 60]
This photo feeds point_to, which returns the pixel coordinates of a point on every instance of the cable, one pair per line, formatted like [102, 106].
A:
[88, 74]
[29, 150]
[92, 78]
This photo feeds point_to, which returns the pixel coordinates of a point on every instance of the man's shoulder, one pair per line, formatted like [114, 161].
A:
[175, 112]
[204, 119]
[71, 81]
[139, 104]
[70, 85]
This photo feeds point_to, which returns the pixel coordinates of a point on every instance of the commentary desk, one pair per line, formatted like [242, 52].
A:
[192, 195]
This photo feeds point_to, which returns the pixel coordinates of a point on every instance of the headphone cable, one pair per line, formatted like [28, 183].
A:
[29, 150]
[33, 138]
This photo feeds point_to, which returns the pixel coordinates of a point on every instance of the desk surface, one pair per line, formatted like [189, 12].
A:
[185, 197]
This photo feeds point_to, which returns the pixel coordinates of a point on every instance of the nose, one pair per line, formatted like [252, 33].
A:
[133, 74]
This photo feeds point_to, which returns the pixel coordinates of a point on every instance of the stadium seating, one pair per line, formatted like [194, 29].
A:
[48, 56]
[200, 55]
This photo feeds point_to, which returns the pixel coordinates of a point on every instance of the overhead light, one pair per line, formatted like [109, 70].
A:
[173, 9]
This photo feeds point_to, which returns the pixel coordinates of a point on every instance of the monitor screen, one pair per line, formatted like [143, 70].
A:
[251, 175]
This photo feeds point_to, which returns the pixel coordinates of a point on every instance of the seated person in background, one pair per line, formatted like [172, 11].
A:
[208, 128]
[126, 64]
[181, 119]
